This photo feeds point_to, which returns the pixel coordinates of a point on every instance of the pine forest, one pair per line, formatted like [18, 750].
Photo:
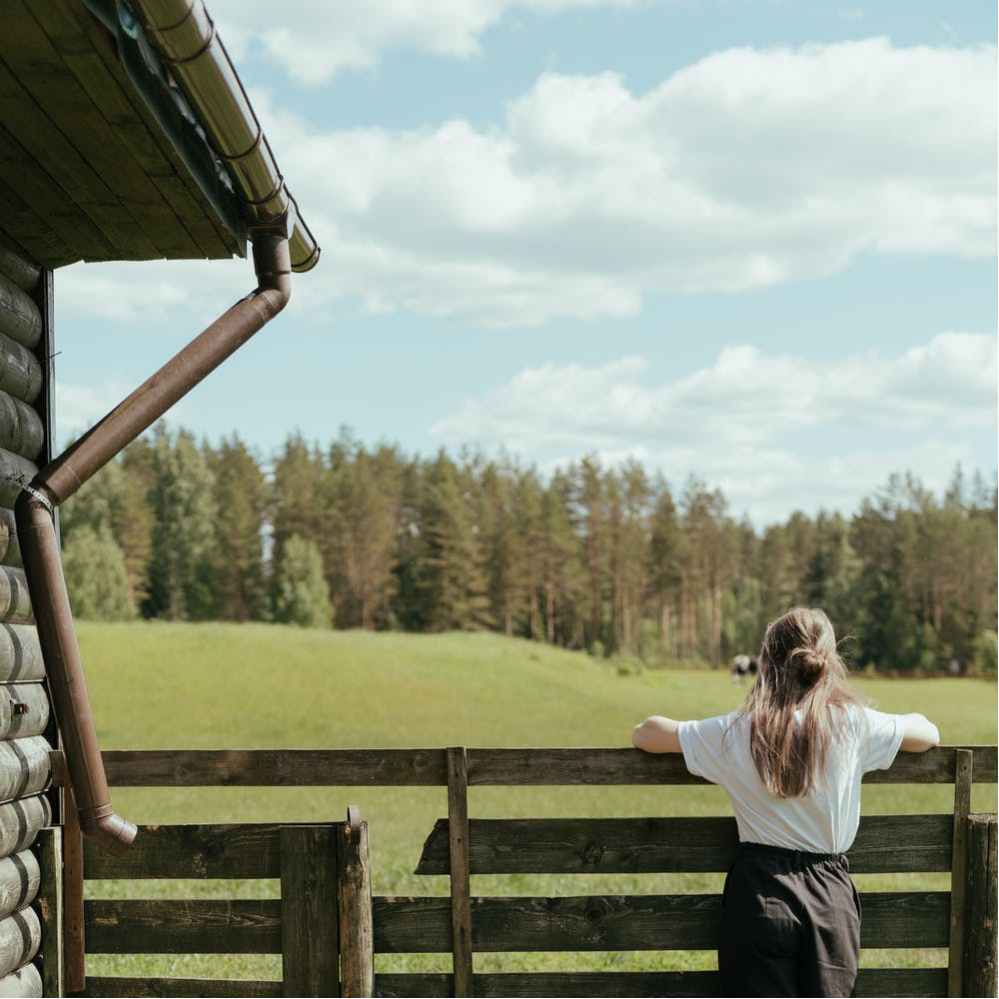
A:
[611, 560]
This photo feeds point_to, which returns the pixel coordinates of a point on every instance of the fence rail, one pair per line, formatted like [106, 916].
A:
[486, 767]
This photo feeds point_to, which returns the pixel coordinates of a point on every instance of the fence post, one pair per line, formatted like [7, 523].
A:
[980, 977]
[310, 955]
[50, 907]
[357, 948]
[74, 945]
[963, 773]
[461, 903]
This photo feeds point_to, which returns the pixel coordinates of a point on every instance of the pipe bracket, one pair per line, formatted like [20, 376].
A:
[40, 496]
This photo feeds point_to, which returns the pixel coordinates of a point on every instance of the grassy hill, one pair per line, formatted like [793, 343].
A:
[226, 686]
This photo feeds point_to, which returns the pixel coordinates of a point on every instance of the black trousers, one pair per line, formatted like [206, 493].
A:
[790, 925]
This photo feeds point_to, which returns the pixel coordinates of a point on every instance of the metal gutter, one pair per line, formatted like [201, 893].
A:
[178, 36]
[34, 512]
[185, 38]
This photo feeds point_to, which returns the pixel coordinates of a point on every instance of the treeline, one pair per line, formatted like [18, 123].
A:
[611, 560]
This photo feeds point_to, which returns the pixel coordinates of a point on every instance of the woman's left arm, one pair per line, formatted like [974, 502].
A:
[918, 734]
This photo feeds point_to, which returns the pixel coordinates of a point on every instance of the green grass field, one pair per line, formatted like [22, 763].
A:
[256, 686]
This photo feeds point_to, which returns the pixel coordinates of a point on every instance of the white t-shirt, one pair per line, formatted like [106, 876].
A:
[824, 820]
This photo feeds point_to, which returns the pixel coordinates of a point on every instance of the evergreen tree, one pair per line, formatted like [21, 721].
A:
[365, 497]
[300, 593]
[592, 519]
[504, 530]
[634, 547]
[299, 502]
[457, 591]
[708, 565]
[238, 568]
[413, 604]
[183, 550]
[116, 500]
[562, 566]
[833, 576]
[96, 580]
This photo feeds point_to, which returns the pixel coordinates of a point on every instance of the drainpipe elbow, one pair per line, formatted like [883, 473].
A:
[107, 829]
[272, 264]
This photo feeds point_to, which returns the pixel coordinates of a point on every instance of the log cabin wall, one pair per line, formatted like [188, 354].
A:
[26, 728]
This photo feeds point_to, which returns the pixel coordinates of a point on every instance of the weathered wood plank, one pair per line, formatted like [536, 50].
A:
[10, 548]
[23, 982]
[428, 767]
[42, 132]
[628, 922]
[60, 222]
[183, 988]
[20, 937]
[357, 949]
[459, 869]
[20, 371]
[276, 767]
[15, 600]
[38, 239]
[963, 765]
[871, 982]
[980, 951]
[884, 843]
[21, 429]
[21, 821]
[74, 944]
[20, 880]
[20, 318]
[182, 926]
[637, 984]
[50, 910]
[77, 82]
[20, 653]
[25, 273]
[190, 851]
[24, 710]
[629, 766]
[24, 767]
[309, 937]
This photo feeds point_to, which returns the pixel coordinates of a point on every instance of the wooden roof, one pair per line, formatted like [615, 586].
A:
[87, 171]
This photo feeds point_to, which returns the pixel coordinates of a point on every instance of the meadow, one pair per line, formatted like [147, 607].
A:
[214, 686]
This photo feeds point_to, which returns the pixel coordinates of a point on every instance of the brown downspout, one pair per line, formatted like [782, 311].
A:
[63, 476]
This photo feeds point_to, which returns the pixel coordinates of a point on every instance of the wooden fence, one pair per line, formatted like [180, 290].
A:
[328, 927]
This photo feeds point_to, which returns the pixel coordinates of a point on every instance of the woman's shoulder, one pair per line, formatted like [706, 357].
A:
[713, 728]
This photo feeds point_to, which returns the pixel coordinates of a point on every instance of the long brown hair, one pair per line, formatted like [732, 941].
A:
[800, 671]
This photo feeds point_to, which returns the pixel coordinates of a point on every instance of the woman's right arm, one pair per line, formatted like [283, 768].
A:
[919, 734]
[657, 735]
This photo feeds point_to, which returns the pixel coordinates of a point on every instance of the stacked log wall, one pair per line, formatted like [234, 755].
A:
[27, 730]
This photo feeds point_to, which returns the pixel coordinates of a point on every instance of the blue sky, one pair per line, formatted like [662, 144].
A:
[749, 240]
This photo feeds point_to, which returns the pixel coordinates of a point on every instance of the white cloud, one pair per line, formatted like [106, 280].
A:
[746, 397]
[314, 40]
[762, 427]
[746, 169]
[148, 292]
[81, 406]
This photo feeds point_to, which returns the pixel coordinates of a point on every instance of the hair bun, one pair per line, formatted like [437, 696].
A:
[812, 663]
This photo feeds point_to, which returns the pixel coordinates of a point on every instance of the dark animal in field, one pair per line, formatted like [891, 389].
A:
[743, 666]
